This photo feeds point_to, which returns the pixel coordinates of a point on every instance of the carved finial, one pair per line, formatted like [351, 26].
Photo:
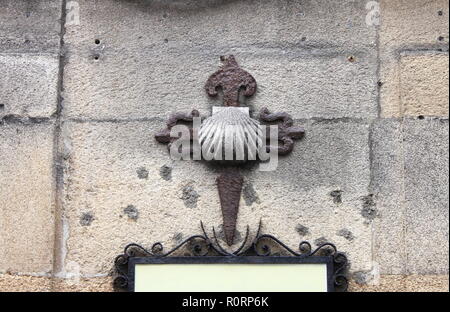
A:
[231, 79]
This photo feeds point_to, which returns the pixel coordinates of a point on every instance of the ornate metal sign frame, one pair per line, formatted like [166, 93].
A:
[201, 249]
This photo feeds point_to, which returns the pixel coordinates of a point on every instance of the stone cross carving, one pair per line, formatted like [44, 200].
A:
[232, 80]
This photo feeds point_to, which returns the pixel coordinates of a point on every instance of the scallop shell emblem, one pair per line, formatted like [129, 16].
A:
[230, 134]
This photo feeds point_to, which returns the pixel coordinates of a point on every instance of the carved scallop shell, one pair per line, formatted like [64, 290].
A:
[230, 134]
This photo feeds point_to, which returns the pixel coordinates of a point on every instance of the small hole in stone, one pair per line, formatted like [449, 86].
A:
[166, 40]
[97, 41]
[440, 12]
[96, 57]
[421, 117]
[441, 38]
[351, 59]
[2, 106]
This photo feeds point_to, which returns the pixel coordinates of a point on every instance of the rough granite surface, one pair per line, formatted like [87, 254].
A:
[84, 88]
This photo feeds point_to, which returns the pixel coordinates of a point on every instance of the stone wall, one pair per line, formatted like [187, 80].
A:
[84, 86]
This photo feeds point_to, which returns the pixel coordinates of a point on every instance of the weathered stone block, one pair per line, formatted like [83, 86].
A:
[96, 284]
[410, 171]
[30, 26]
[318, 193]
[388, 189]
[104, 180]
[138, 74]
[426, 195]
[215, 25]
[26, 198]
[28, 85]
[407, 25]
[110, 202]
[405, 283]
[308, 87]
[413, 22]
[20, 283]
[23, 283]
[424, 84]
[130, 86]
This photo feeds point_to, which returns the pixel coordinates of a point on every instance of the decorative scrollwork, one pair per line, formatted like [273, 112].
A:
[163, 136]
[287, 132]
[263, 245]
[340, 265]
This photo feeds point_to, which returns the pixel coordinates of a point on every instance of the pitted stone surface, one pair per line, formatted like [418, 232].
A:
[404, 283]
[333, 155]
[212, 24]
[411, 25]
[410, 185]
[28, 84]
[426, 195]
[412, 22]
[101, 178]
[30, 26]
[371, 174]
[26, 198]
[136, 74]
[424, 84]
[100, 175]
[388, 187]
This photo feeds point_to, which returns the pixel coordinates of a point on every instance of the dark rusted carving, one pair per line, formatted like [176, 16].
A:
[164, 137]
[286, 130]
[231, 79]
[230, 187]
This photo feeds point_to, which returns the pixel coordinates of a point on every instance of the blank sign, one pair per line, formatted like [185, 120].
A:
[225, 277]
